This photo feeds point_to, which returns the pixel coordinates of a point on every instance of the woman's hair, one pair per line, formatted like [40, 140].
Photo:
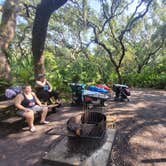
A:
[41, 76]
[26, 85]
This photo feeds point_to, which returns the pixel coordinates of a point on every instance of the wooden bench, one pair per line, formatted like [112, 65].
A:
[8, 111]
[8, 103]
[5, 104]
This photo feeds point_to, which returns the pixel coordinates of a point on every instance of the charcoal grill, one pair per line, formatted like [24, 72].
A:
[91, 125]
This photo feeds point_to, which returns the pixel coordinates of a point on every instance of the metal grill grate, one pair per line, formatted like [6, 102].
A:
[91, 125]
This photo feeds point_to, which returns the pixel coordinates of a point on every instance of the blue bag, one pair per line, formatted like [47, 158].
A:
[97, 89]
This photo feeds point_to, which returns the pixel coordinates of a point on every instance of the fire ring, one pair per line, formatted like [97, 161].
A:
[90, 125]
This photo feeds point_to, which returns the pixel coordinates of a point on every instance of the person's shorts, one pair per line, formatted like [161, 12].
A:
[35, 109]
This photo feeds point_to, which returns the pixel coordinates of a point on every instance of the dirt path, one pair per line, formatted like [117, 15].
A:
[141, 135]
[140, 139]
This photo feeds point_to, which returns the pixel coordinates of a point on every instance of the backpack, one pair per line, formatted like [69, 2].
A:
[12, 91]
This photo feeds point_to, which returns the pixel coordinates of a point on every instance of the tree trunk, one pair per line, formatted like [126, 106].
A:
[119, 75]
[7, 31]
[43, 13]
[139, 68]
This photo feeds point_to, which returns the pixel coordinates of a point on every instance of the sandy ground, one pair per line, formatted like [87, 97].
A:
[140, 138]
[141, 130]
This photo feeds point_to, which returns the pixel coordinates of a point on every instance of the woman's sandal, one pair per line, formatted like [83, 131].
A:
[32, 129]
[44, 122]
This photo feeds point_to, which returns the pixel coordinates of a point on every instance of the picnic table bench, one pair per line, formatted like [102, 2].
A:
[5, 104]
[8, 111]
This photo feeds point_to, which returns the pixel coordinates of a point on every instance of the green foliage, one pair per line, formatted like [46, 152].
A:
[149, 78]
[69, 59]
[3, 85]
[21, 67]
[62, 72]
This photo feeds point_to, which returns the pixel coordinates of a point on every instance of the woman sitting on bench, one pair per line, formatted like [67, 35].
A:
[44, 90]
[28, 104]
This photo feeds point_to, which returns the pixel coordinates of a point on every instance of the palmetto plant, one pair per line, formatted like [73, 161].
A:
[22, 69]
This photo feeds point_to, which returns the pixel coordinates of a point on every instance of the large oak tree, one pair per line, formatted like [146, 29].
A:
[43, 13]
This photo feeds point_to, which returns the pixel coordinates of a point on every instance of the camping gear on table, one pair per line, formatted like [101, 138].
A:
[104, 86]
[92, 98]
[82, 96]
[121, 92]
[97, 89]
[77, 90]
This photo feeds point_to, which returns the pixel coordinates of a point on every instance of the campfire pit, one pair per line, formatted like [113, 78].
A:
[89, 125]
[86, 142]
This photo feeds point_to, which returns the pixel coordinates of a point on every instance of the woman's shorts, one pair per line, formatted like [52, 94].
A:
[35, 109]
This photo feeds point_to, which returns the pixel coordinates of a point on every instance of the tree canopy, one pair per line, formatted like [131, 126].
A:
[87, 41]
